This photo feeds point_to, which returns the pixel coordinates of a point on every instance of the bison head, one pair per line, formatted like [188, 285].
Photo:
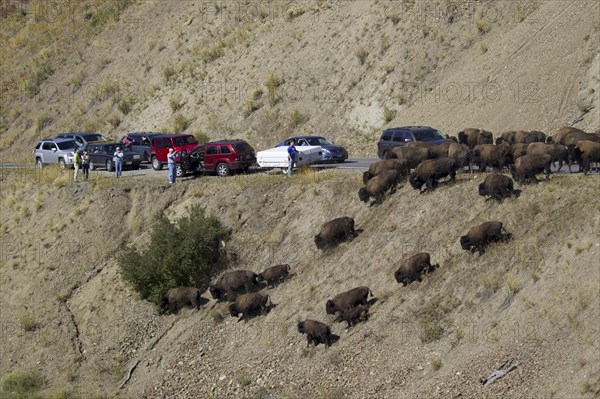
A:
[301, 327]
[330, 307]
[163, 302]
[319, 242]
[216, 292]
[482, 189]
[233, 310]
[259, 278]
[465, 243]
[415, 181]
[364, 195]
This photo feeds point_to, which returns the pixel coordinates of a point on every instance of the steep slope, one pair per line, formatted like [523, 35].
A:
[344, 69]
[534, 299]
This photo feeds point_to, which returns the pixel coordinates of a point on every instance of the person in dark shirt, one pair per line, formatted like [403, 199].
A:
[292, 156]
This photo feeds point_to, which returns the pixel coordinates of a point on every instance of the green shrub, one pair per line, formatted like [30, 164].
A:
[201, 137]
[180, 123]
[182, 253]
[19, 384]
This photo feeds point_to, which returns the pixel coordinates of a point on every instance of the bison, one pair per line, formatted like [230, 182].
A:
[250, 304]
[498, 187]
[527, 166]
[354, 315]
[585, 152]
[348, 299]
[429, 172]
[559, 136]
[491, 155]
[411, 156]
[470, 137]
[479, 236]
[335, 231]
[529, 137]
[379, 167]
[411, 269]
[506, 137]
[378, 186]
[178, 297]
[558, 152]
[274, 274]
[434, 149]
[462, 155]
[316, 332]
[517, 150]
[231, 283]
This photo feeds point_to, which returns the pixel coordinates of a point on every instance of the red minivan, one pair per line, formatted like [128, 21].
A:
[161, 144]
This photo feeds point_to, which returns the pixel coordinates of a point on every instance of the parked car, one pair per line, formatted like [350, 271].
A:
[101, 156]
[83, 139]
[222, 157]
[52, 151]
[140, 143]
[162, 143]
[398, 136]
[331, 152]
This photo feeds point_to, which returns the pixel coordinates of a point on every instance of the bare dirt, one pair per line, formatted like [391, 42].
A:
[65, 311]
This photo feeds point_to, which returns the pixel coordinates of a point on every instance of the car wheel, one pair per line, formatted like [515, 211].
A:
[179, 171]
[156, 164]
[109, 166]
[92, 166]
[223, 169]
[38, 163]
[61, 163]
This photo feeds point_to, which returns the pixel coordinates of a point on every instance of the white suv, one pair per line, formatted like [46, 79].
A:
[52, 151]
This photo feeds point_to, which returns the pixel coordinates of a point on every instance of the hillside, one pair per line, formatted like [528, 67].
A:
[260, 71]
[534, 299]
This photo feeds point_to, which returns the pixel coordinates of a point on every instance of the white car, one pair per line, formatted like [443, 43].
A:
[278, 157]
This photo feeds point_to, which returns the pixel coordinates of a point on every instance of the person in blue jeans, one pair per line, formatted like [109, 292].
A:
[118, 160]
[292, 155]
[172, 163]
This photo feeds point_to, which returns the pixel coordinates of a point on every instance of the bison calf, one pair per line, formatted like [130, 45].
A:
[335, 231]
[354, 315]
[249, 305]
[232, 283]
[481, 235]
[498, 187]
[316, 332]
[411, 269]
[274, 274]
[178, 297]
[348, 299]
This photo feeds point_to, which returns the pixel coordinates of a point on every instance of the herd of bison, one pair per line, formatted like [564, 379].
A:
[524, 153]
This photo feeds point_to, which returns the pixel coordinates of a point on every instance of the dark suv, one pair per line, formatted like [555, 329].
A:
[83, 139]
[101, 156]
[161, 144]
[140, 143]
[398, 136]
[226, 156]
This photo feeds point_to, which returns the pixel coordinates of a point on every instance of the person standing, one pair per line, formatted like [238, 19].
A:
[76, 164]
[118, 160]
[85, 165]
[292, 154]
[172, 163]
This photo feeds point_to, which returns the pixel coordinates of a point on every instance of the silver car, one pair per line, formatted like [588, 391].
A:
[55, 151]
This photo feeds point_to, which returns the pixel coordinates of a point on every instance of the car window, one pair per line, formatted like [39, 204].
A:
[242, 147]
[37, 147]
[399, 137]
[211, 149]
[162, 143]
[184, 140]
[225, 150]
[323, 141]
[46, 146]
[79, 141]
[428, 135]
[95, 137]
[386, 136]
[66, 145]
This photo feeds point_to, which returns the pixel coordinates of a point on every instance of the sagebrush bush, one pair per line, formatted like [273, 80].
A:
[21, 384]
[182, 253]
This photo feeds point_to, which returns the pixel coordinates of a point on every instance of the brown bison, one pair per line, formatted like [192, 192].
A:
[411, 156]
[434, 149]
[498, 187]
[379, 167]
[273, 274]
[429, 172]
[479, 236]
[558, 152]
[335, 231]
[529, 137]
[561, 134]
[232, 283]
[471, 137]
[585, 152]
[251, 304]
[354, 315]
[378, 186]
[411, 269]
[178, 297]
[491, 155]
[348, 299]
[506, 137]
[517, 150]
[316, 332]
[527, 166]
[462, 155]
